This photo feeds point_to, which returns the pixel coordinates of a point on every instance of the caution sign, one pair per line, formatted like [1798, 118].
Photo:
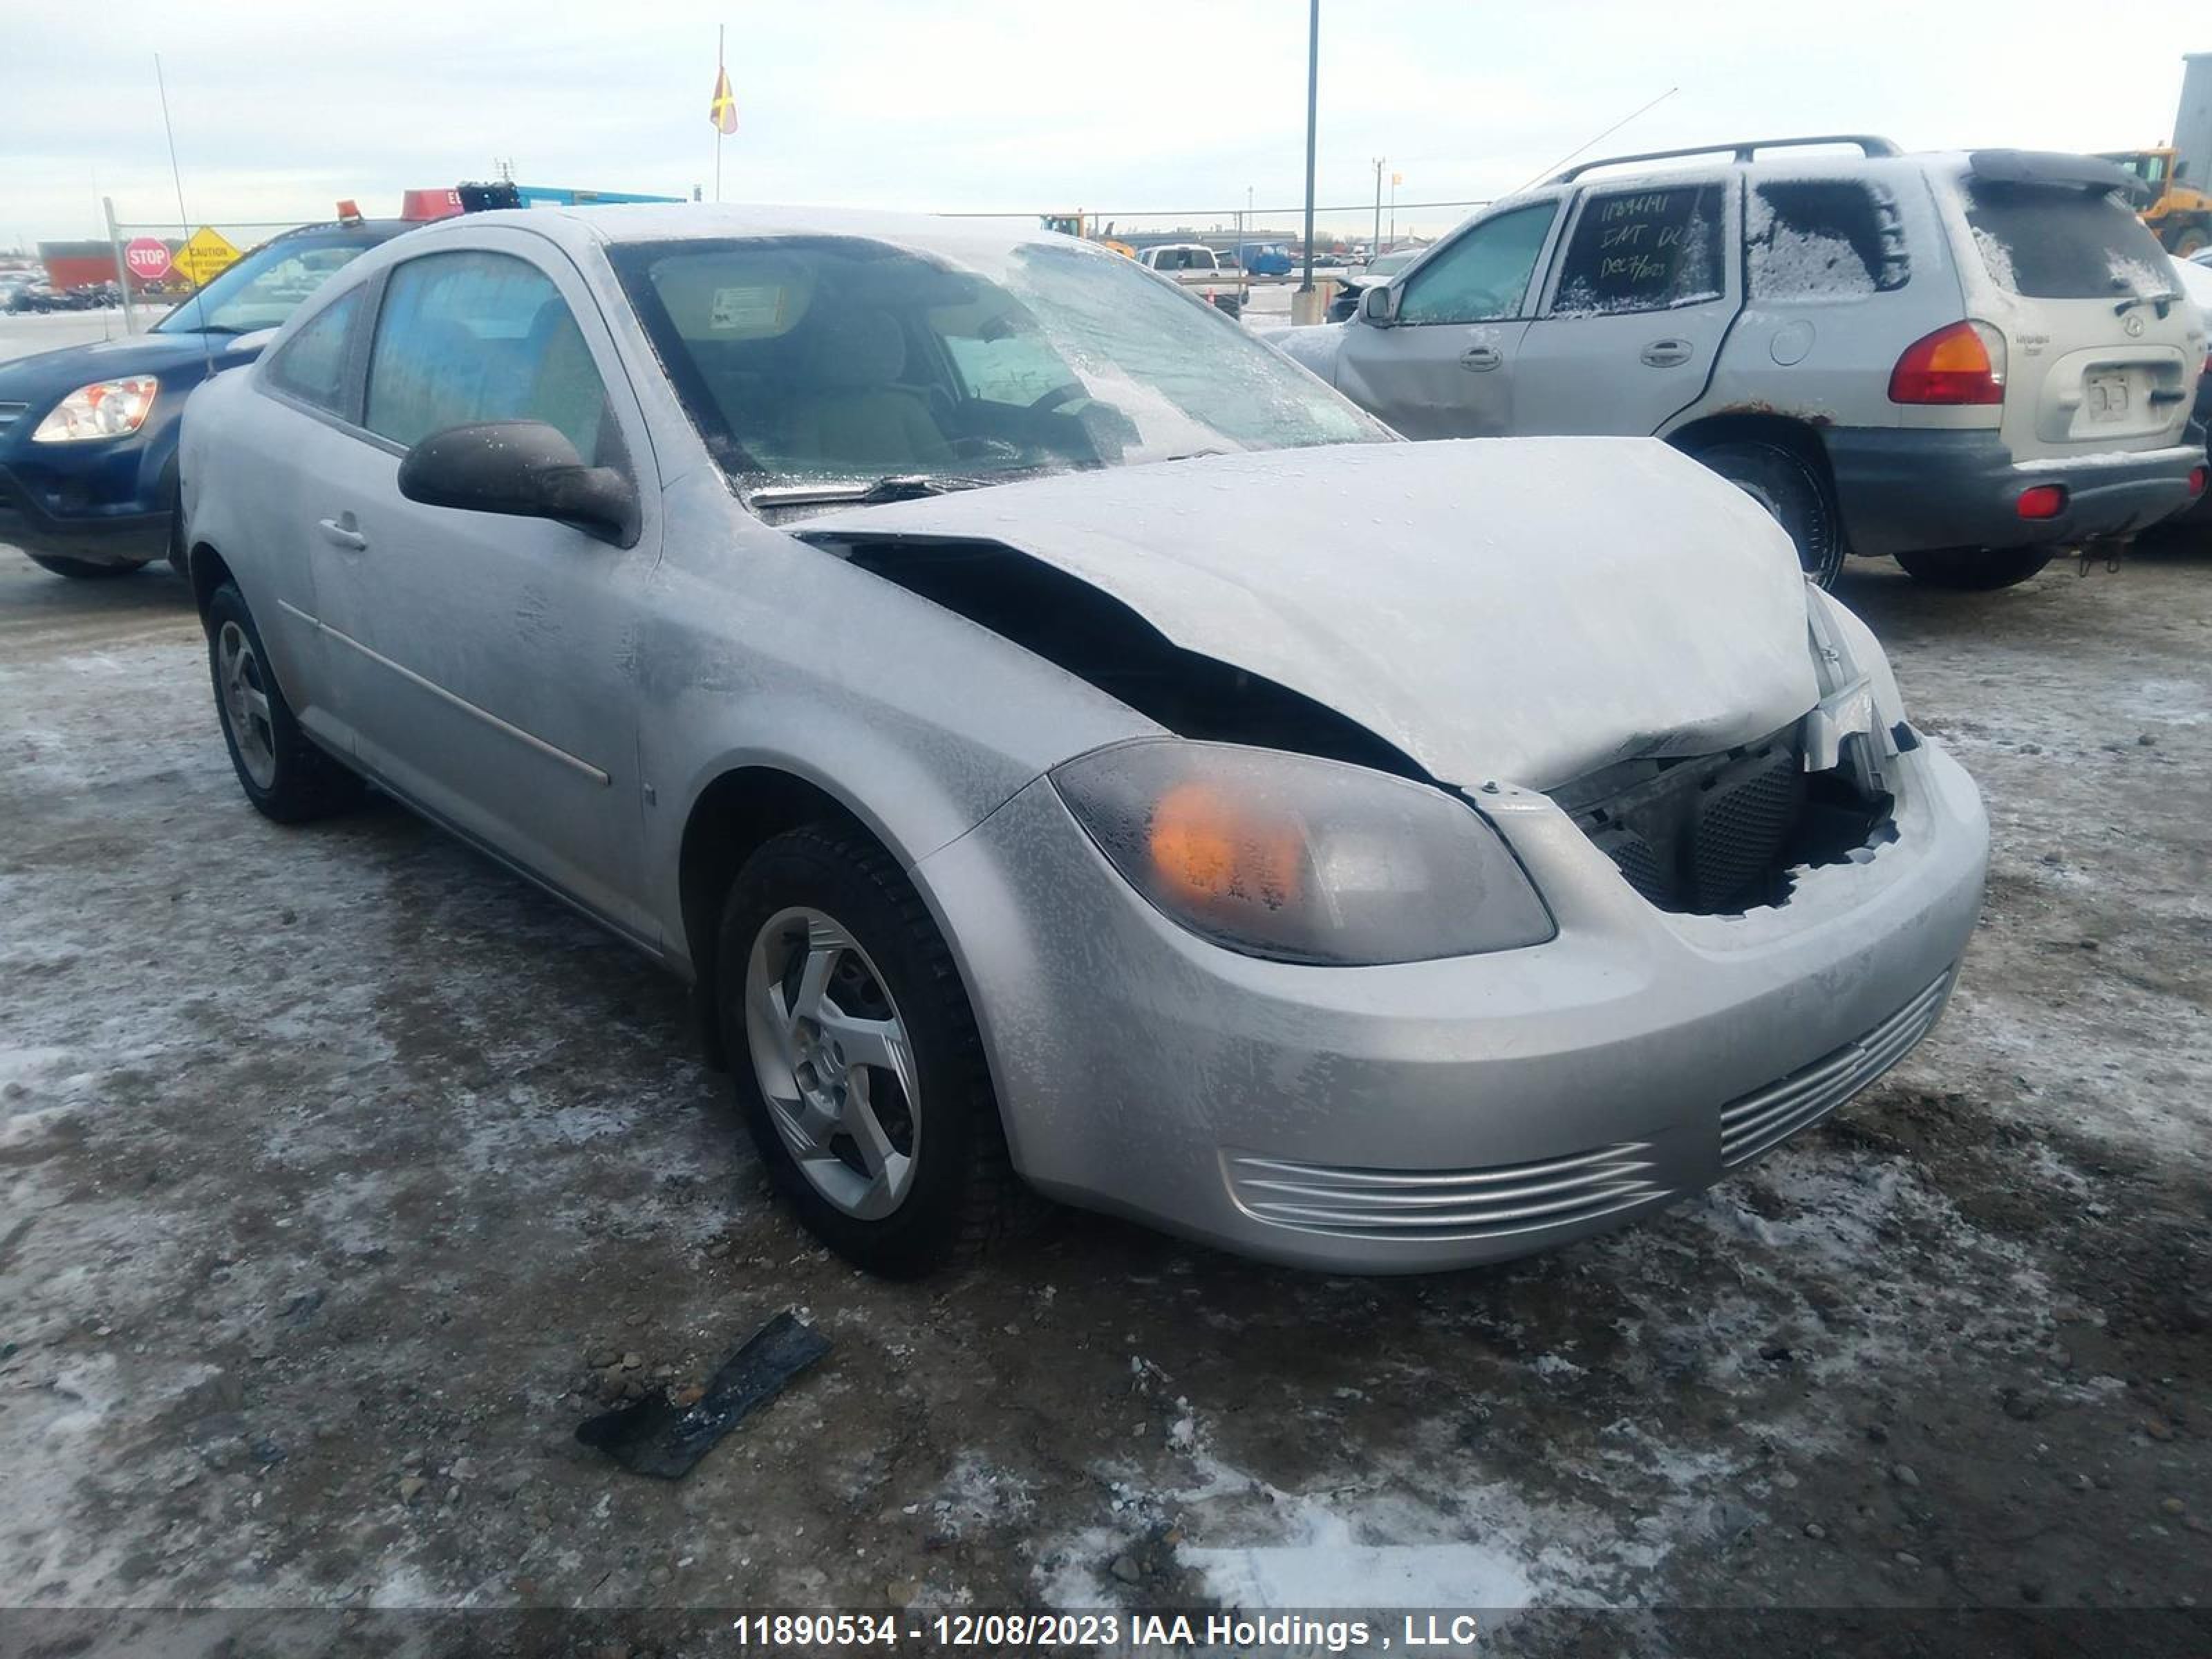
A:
[205, 255]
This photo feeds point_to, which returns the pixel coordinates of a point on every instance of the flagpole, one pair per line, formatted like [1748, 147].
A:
[719, 70]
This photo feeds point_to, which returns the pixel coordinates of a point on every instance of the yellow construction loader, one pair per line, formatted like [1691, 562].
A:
[1077, 225]
[2178, 213]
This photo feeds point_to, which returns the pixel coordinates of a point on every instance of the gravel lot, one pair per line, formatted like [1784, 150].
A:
[336, 1165]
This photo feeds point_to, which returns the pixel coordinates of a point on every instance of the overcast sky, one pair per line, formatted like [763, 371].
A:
[985, 105]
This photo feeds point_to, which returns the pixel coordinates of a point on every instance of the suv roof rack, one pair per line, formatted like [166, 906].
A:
[1742, 151]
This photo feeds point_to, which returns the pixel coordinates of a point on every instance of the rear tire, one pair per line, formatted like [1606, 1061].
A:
[1973, 570]
[283, 774]
[1794, 491]
[900, 1168]
[84, 570]
[2195, 240]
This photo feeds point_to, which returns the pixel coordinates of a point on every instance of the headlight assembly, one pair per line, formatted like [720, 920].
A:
[106, 408]
[1285, 856]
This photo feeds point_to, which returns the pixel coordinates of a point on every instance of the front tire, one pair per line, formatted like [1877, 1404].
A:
[85, 570]
[1794, 491]
[858, 1064]
[283, 774]
[1972, 570]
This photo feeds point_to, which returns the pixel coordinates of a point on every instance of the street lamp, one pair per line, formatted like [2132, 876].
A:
[1312, 106]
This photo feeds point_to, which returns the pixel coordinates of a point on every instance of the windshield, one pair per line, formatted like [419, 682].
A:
[267, 285]
[820, 360]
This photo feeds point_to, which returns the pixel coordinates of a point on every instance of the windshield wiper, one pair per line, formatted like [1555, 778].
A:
[2161, 301]
[896, 487]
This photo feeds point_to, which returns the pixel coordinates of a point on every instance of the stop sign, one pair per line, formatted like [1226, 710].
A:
[147, 258]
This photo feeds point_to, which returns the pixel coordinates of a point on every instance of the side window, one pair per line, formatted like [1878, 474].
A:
[1643, 250]
[1483, 275]
[1823, 239]
[472, 337]
[312, 367]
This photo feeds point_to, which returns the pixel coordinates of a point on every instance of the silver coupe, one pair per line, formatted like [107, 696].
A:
[1066, 746]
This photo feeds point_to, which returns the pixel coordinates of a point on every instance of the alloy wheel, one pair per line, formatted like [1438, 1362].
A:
[246, 704]
[835, 1063]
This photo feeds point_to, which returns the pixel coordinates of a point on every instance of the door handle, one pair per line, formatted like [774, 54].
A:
[340, 532]
[1667, 354]
[1481, 357]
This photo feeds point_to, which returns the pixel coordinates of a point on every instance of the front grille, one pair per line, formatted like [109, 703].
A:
[1444, 1204]
[1738, 821]
[1708, 834]
[9, 414]
[1762, 1120]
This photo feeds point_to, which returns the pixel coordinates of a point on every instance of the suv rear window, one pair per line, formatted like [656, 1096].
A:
[2057, 244]
[1823, 239]
[1643, 250]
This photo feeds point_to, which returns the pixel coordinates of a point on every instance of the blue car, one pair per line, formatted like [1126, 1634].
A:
[89, 434]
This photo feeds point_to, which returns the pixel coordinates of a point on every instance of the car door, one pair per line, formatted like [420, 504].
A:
[1637, 305]
[295, 431]
[486, 659]
[1444, 367]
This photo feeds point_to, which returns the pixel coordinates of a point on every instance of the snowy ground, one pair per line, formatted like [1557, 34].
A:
[331, 1159]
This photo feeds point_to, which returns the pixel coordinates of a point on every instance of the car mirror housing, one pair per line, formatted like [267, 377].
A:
[524, 469]
[1379, 305]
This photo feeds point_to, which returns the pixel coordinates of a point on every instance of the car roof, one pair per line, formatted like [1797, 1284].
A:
[377, 229]
[578, 228]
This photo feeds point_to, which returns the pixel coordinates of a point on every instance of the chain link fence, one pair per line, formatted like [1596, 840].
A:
[1267, 242]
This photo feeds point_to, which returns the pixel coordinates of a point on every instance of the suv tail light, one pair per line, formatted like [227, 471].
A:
[2196, 477]
[1964, 363]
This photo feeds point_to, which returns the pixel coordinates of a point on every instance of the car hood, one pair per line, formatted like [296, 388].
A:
[1521, 609]
[1313, 345]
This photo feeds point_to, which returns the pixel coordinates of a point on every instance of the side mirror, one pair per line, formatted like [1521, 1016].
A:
[525, 469]
[1379, 305]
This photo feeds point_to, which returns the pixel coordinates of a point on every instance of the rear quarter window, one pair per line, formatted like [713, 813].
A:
[2045, 243]
[1823, 239]
[312, 366]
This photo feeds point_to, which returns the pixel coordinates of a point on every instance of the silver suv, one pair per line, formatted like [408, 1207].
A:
[1965, 361]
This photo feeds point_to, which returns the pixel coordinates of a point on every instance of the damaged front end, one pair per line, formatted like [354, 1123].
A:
[1724, 833]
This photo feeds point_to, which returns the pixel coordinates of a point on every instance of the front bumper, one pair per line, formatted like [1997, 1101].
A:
[1328, 1117]
[72, 514]
[1914, 488]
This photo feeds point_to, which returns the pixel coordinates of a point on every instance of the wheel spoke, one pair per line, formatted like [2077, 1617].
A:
[859, 1121]
[256, 704]
[855, 1043]
[822, 944]
[811, 1123]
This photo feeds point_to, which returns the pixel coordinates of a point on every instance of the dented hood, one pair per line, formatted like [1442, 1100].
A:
[1521, 609]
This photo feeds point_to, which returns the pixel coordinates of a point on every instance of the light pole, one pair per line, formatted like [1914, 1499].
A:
[1313, 107]
[1376, 246]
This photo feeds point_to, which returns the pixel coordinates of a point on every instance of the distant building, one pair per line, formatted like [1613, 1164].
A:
[78, 265]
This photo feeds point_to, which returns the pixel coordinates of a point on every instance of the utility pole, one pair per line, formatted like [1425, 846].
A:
[1313, 109]
[1376, 246]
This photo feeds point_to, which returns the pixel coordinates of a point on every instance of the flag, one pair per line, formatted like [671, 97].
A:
[1397, 178]
[723, 112]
